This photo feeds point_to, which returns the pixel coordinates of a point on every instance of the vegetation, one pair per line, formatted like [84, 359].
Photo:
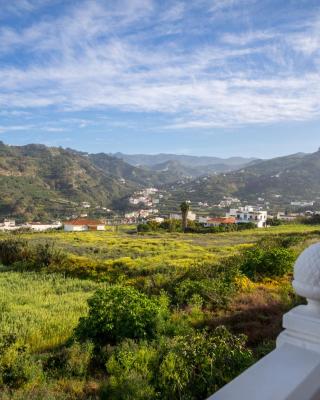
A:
[42, 183]
[105, 315]
[279, 181]
[117, 313]
[184, 207]
[175, 225]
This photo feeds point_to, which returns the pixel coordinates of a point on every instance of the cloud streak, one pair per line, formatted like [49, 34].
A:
[136, 56]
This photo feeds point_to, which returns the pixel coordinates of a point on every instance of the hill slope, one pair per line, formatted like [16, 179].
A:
[295, 177]
[39, 181]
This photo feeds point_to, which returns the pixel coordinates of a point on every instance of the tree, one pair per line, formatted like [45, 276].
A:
[184, 207]
[119, 312]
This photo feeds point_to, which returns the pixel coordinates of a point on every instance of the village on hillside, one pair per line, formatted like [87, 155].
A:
[145, 206]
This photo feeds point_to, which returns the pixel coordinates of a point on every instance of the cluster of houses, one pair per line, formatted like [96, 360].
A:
[134, 216]
[149, 197]
[291, 217]
[80, 224]
[228, 201]
[240, 214]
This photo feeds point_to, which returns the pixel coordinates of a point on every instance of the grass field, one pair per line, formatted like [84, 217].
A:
[43, 307]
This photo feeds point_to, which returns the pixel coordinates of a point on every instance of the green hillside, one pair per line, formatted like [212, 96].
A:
[295, 177]
[39, 181]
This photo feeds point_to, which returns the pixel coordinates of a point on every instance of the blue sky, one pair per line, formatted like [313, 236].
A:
[204, 77]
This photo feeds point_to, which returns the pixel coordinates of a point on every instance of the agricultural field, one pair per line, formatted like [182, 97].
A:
[127, 315]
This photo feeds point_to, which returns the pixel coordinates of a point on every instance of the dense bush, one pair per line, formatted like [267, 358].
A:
[46, 254]
[259, 263]
[274, 222]
[119, 312]
[174, 225]
[284, 241]
[78, 358]
[184, 367]
[17, 367]
[14, 250]
[313, 220]
[19, 252]
[131, 370]
[199, 228]
[214, 292]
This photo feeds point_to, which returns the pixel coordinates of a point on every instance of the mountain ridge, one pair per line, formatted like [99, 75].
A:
[292, 177]
[186, 160]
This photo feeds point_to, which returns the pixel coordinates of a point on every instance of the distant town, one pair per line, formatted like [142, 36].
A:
[146, 208]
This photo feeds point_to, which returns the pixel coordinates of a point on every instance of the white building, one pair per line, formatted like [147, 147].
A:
[9, 225]
[174, 216]
[41, 227]
[149, 191]
[202, 220]
[249, 214]
[82, 224]
[157, 219]
[191, 216]
[287, 217]
[227, 201]
[302, 203]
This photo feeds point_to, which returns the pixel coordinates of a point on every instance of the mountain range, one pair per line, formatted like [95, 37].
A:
[278, 181]
[40, 182]
[184, 165]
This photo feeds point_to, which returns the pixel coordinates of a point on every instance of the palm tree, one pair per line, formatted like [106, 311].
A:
[184, 207]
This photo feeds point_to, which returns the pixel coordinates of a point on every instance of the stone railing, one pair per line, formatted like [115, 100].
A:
[292, 370]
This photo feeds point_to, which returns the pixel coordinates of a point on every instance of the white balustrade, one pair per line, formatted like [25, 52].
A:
[292, 370]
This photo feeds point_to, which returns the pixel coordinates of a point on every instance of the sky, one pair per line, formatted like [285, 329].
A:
[202, 77]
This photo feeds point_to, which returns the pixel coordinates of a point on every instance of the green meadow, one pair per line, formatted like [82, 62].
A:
[205, 281]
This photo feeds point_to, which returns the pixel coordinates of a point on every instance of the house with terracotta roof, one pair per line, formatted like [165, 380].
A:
[83, 224]
[217, 221]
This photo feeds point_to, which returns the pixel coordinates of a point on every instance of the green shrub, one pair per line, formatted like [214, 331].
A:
[199, 228]
[197, 365]
[274, 222]
[19, 252]
[17, 367]
[119, 312]
[214, 283]
[214, 292]
[78, 358]
[259, 263]
[184, 367]
[46, 255]
[14, 250]
[171, 225]
[131, 368]
[143, 228]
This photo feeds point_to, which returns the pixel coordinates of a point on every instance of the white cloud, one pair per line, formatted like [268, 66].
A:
[15, 128]
[99, 56]
[247, 38]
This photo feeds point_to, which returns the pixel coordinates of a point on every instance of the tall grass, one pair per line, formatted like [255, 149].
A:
[42, 309]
